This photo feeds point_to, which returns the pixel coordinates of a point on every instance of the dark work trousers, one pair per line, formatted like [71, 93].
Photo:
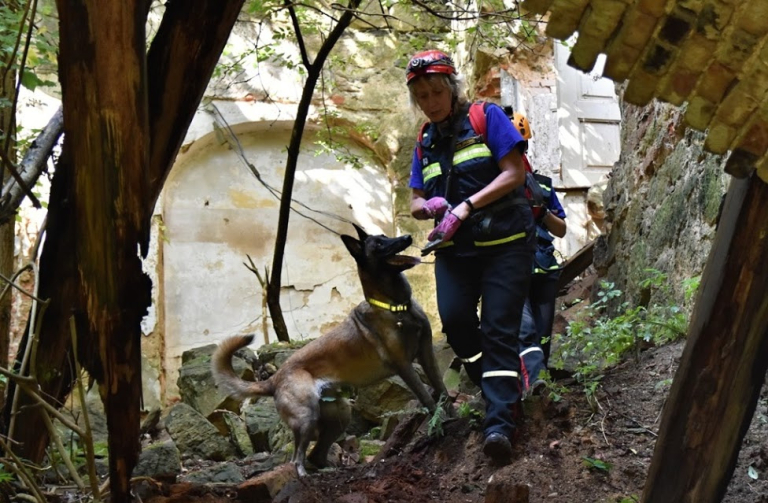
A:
[488, 345]
[537, 320]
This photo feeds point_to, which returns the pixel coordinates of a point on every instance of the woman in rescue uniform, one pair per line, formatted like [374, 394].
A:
[473, 188]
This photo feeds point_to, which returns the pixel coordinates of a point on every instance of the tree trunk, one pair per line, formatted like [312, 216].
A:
[716, 388]
[180, 62]
[7, 230]
[106, 132]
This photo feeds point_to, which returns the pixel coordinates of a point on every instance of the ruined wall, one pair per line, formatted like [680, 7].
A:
[662, 203]
[211, 213]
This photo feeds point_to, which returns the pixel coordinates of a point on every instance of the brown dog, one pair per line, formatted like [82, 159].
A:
[381, 337]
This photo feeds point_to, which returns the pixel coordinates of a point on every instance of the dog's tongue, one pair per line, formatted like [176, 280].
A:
[400, 260]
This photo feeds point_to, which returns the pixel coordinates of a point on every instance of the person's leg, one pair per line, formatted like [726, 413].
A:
[543, 295]
[458, 294]
[531, 354]
[506, 278]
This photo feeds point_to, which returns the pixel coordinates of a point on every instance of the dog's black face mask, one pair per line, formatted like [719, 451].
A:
[381, 249]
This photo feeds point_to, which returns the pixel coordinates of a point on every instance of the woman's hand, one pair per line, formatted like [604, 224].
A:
[446, 228]
[435, 207]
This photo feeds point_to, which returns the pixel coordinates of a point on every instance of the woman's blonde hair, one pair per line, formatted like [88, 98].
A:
[452, 82]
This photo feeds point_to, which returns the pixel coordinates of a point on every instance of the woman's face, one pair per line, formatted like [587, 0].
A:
[433, 96]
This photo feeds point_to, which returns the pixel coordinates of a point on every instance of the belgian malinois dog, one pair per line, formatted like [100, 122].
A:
[381, 337]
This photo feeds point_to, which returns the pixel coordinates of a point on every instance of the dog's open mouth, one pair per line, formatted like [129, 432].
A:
[403, 261]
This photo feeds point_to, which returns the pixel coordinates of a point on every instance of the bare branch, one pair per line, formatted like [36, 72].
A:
[299, 36]
[14, 170]
[31, 167]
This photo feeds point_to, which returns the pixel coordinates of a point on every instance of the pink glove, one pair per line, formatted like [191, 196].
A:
[436, 207]
[446, 228]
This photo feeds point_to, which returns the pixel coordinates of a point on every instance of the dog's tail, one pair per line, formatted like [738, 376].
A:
[228, 380]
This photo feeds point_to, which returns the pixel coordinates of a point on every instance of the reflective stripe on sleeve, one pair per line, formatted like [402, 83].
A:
[431, 171]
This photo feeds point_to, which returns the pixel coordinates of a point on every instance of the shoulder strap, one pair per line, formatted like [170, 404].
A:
[419, 152]
[477, 117]
[527, 164]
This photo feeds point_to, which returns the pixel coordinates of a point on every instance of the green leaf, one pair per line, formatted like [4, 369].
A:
[596, 464]
[30, 80]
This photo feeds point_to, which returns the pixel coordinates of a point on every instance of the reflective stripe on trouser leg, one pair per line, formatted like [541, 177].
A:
[458, 292]
[542, 299]
[529, 340]
[505, 283]
[531, 365]
[473, 366]
[501, 373]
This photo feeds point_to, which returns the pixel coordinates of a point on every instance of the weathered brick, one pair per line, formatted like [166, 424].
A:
[658, 58]
[713, 19]
[740, 163]
[619, 63]
[696, 52]
[601, 18]
[678, 85]
[638, 28]
[655, 8]
[753, 18]
[640, 88]
[537, 6]
[753, 138]
[699, 113]
[736, 108]
[715, 82]
[584, 53]
[738, 46]
[757, 77]
[719, 137]
[597, 24]
[565, 18]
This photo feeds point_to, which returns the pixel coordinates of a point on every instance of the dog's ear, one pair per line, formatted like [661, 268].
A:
[354, 246]
[360, 232]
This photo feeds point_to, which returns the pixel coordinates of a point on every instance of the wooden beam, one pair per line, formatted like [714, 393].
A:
[723, 366]
[576, 265]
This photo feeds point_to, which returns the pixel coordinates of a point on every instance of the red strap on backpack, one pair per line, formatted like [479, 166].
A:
[477, 118]
[419, 152]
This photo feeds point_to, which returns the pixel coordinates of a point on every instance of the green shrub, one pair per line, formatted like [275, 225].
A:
[593, 341]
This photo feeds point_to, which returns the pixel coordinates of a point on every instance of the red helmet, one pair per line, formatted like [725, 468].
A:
[431, 61]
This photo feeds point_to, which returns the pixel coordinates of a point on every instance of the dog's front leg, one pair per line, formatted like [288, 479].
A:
[426, 358]
[411, 378]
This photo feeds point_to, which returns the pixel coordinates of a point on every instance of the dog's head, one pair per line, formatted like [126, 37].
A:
[380, 250]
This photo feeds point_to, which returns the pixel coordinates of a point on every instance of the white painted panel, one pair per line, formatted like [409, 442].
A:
[589, 122]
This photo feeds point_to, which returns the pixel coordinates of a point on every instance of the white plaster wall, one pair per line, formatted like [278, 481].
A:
[215, 213]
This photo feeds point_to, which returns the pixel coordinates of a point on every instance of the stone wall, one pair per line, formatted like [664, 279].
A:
[662, 203]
